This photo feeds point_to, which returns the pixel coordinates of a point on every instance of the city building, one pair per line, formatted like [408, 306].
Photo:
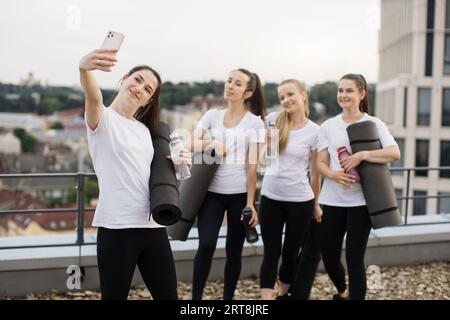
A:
[413, 95]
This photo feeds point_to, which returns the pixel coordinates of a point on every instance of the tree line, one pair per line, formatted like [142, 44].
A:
[53, 99]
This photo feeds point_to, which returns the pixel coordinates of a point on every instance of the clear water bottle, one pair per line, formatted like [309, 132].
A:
[182, 170]
[250, 232]
[343, 154]
[272, 146]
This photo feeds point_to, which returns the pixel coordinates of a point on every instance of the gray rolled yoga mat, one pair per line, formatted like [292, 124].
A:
[193, 192]
[164, 195]
[376, 179]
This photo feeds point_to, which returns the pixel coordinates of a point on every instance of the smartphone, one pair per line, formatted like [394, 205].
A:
[113, 40]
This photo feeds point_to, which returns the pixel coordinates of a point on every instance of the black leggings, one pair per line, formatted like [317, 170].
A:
[120, 250]
[273, 215]
[209, 221]
[335, 223]
[307, 263]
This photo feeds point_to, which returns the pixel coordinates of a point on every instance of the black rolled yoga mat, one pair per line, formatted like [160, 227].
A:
[164, 195]
[376, 179]
[193, 192]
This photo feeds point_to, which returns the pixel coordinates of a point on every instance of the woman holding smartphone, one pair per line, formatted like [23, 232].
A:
[236, 133]
[120, 144]
[344, 206]
[287, 197]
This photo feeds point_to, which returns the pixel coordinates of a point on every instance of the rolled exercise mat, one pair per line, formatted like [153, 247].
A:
[164, 195]
[193, 192]
[376, 179]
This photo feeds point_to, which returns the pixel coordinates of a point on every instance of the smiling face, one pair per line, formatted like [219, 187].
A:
[236, 87]
[292, 99]
[349, 95]
[139, 87]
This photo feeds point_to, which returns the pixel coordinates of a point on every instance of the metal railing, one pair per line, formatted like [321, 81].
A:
[80, 208]
[408, 190]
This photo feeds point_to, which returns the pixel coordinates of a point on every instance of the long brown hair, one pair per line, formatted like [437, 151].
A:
[256, 102]
[283, 122]
[149, 113]
[361, 83]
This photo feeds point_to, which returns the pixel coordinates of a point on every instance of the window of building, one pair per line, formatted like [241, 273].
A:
[447, 38]
[400, 163]
[405, 106]
[447, 14]
[422, 150]
[445, 159]
[424, 107]
[420, 205]
[447, 54]
[444, 203]
[429, 38]
[445, 120]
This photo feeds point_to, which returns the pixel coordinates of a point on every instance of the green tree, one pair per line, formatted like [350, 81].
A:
[49, 104]
[270, 92]
[325, 93]
[90, 192]
[27, 141]
[57, 125]
[372, 97]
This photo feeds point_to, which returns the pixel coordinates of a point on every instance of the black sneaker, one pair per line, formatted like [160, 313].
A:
[337, 296]
[285, 296]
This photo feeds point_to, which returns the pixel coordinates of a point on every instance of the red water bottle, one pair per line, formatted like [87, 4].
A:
[343, 154]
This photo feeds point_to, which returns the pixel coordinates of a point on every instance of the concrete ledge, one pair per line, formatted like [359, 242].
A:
[38, 270]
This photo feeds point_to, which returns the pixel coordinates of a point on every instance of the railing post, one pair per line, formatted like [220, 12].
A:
[408, 178]
[80, 206]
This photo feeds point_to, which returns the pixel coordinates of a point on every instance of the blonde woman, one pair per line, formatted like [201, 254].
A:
[287, 197]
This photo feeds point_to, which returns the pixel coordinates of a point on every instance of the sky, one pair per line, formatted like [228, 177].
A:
[192, 40]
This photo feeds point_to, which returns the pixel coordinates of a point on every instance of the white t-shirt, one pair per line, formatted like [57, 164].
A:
[332, 135]
[286, 178]
[231, 175]
[122, 152]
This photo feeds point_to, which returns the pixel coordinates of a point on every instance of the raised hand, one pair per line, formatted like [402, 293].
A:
[101, 59]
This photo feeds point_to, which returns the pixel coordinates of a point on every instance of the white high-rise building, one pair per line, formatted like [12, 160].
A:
[413, 95]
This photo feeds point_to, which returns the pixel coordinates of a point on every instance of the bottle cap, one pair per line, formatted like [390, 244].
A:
[175, 136]
[341, 149]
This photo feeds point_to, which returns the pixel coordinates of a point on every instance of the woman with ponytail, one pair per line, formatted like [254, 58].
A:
[287, 197]
[342, 199]
[235, 134]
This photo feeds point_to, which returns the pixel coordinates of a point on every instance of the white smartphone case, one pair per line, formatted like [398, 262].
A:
[113, 40]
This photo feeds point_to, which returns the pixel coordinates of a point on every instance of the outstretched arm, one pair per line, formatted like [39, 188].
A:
[96, 60]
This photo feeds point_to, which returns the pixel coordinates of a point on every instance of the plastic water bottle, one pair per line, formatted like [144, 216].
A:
[250, 232]
[343, 154]
[182, 171]
[272, 147]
